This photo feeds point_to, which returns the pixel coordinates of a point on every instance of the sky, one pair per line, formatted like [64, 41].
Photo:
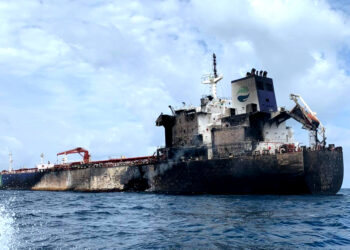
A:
[96, 74]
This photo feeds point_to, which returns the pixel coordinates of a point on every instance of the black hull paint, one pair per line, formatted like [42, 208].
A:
[20, 180]
[309, 172]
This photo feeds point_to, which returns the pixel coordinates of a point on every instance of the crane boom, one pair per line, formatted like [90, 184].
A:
[303, 113]
[79, 150]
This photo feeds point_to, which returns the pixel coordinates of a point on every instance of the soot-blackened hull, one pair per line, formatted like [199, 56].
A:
[313, 172]
[324, 171]
[20, 180]
[308, 172]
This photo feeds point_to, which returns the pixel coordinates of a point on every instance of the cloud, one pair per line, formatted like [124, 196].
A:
[77, 73]
[293, 40]
[340, 135]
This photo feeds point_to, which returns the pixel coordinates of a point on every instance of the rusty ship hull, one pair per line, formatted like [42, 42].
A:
[308, 172]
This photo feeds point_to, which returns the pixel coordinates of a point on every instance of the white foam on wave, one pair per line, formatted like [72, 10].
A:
[7, 228]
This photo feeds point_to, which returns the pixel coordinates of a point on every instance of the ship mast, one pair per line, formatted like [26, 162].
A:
[212, 80]
[214, 66]
[10, 161]
[42, 158]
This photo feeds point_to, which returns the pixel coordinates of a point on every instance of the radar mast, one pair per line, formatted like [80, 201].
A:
[212, 79]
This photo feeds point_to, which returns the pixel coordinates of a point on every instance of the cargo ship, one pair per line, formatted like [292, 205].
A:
[237, 145]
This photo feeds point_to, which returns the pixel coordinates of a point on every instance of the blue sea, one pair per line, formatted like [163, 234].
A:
[68, 220]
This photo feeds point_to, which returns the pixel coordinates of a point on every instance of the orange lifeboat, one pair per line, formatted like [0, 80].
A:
[313, 119]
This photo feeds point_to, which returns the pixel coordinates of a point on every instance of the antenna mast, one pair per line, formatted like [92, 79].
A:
[10, 161]
[212, 80]
[214, 66]
[42, 158]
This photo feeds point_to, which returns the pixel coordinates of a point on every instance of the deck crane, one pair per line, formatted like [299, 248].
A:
[86, 156]
[303, 113]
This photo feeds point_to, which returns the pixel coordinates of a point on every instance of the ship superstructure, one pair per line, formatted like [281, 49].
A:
[249, 122]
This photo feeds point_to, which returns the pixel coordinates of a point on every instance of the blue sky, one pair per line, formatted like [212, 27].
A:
[96, 74]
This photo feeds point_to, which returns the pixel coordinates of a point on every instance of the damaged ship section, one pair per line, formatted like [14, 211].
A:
[245, 150]
[240, 145]
[243, 145]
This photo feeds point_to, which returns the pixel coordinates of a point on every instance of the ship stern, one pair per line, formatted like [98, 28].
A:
[324, 170]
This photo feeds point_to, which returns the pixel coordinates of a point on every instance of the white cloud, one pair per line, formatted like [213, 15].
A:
[340, 136]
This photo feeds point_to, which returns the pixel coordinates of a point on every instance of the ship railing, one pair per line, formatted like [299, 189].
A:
[229, 150]
[246, 148]
[21, 170]
[107, 163]
[219, 97]
[185, 107]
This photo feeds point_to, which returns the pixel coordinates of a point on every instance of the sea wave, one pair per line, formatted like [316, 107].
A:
[66, 220]
[7, 227]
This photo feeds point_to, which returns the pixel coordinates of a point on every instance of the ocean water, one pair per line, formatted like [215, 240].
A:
[67, 220]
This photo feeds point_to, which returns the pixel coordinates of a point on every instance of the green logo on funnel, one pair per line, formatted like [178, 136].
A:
[243, 94]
